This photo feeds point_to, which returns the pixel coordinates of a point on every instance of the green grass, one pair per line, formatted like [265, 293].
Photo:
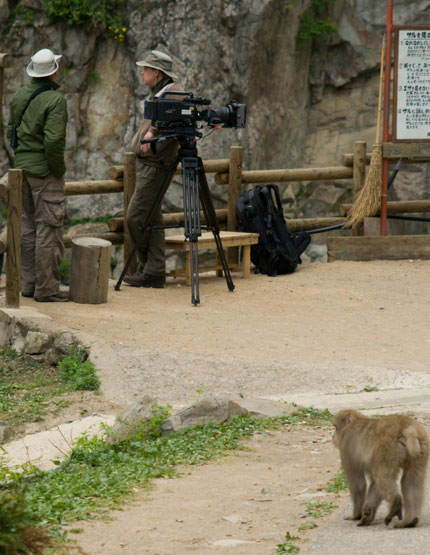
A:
[18, 533]
[77, 372]
[338, 483]
[30, 390]
[98, 476]
[287, 547]
[318, 510]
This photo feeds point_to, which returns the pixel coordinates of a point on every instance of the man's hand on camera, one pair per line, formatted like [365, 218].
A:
[147, 146]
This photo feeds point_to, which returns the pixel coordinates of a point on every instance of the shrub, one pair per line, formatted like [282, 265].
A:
[78, 372]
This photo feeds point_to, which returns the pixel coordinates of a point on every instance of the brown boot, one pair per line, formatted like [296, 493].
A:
[135, 280]
[60, 297]
[145, 280]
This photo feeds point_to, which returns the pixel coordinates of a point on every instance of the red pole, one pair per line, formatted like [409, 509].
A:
[386, 122]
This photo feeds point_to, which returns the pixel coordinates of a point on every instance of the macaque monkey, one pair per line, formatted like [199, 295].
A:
[378, 449]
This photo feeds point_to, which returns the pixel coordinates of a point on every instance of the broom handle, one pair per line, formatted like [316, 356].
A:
[381, 75]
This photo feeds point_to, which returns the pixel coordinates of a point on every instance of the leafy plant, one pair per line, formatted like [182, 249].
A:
[338, 483]
[369, 388]
[18, 532]
[64, 270]
[287, 547]
[307, 526]
[29, 389]
[78, 372]
[88, 13]
[98, 474]
[318, 510]
[313, 22]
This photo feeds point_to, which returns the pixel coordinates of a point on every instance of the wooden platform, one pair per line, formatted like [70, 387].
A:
[389, 247]
[207, 241]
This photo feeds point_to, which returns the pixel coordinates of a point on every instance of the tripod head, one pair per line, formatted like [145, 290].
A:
[187, 139]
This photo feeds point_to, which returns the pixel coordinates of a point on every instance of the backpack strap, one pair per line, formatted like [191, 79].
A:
[32, 97]
[14, 134]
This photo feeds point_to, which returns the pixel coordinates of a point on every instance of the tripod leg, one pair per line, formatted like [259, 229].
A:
[209, 211]
[192, 220]
[146, 227]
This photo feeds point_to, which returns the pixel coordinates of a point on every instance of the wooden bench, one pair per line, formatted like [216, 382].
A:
[207, 241]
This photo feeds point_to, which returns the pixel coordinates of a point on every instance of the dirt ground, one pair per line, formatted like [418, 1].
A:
[352, 334]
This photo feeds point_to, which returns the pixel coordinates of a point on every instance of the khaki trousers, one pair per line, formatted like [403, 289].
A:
[150, 245]
[42, 234]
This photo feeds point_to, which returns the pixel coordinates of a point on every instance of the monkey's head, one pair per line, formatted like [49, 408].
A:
[341, 421]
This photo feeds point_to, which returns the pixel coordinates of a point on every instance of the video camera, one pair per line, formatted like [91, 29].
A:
[172, 115]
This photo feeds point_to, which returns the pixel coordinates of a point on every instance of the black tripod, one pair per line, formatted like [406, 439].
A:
[195, 192]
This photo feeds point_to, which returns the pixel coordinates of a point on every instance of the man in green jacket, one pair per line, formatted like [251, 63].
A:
[41, 137]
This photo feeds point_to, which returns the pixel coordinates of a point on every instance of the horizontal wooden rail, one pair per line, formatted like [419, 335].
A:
[174, 218]
[294, 225]
[281, 176]
[210, 166]
[93, 187]
[397, 207]
[348, 159]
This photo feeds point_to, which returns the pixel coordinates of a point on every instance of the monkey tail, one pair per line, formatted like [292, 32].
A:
[411, 441]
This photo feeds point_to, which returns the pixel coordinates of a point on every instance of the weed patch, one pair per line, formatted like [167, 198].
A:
[97, 475]
[77, 372]
[17, 527]
[30, 390]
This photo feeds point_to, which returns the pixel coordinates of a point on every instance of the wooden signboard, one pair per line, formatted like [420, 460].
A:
[411, 113]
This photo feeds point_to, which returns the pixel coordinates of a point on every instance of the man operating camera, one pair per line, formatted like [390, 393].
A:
[152, 173]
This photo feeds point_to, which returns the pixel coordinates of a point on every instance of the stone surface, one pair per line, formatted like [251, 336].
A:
[132, 418]
[209, 409]
[25, 330]
[36, 342]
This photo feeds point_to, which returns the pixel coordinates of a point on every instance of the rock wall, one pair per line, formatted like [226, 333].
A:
[307, 102]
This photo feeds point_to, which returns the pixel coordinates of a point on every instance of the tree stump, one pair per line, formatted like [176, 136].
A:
[90, 270]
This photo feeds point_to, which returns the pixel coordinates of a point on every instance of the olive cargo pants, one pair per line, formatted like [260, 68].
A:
[150, 246]
[42, 234]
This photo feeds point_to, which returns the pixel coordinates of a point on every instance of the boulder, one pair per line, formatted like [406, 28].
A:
[131, 420]
[36, 342]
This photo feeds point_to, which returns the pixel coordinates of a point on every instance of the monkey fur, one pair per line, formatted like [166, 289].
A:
[379, 449]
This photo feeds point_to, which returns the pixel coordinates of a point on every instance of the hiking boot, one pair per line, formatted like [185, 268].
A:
[60, 297]
[136, 280]
[157, 282]
[145, 280]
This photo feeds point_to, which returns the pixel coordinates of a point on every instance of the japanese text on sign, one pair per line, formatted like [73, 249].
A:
[413, 85]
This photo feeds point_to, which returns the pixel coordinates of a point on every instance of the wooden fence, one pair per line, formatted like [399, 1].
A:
[227, 171]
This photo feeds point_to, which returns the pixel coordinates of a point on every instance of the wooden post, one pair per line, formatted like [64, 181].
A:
[358, 176]
[13, 249]
[90, 270]
[129, 186]
[234, 192]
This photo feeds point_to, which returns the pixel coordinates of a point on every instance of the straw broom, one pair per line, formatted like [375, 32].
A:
[368, 201]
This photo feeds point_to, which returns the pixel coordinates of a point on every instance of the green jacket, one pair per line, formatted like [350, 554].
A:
[42, 133]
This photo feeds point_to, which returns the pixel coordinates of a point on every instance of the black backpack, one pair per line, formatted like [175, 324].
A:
[278, 251]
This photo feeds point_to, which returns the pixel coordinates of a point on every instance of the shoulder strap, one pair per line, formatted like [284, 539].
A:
[32, 97]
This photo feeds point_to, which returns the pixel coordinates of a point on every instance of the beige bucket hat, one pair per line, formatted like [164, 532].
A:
[159, 60]
[43, 63]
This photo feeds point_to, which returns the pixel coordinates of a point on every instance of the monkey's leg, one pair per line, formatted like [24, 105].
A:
[412, 485]
[371, 504]
[386, 482]
[395, 510]
[357, 489]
